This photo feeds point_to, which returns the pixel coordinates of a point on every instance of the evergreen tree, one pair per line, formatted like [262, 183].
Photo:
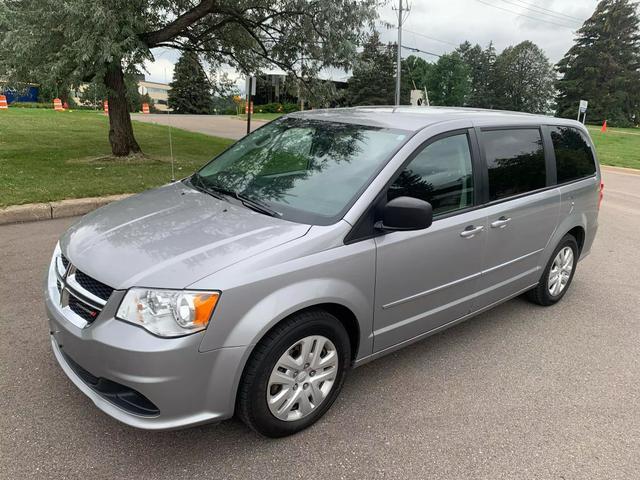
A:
[373, 81]
[523, 79]
[190, 90]
[481, 70]
[603, 66]
[449, 82]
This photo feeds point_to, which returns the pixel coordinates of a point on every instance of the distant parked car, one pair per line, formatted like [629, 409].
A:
[319, 242]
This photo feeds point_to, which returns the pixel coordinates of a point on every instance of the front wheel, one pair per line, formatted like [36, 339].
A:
[294, 374]
[557, 276]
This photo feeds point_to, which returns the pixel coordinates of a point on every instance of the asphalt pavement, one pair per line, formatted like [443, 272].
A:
[520, 392]
[226, 126]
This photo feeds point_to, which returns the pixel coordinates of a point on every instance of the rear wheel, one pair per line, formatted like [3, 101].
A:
[294, 374]
[557, 276]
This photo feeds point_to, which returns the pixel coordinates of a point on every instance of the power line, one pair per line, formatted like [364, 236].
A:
[407, 12]
[536, 12]
[432, 38]
[447, 42]
[555, 12]
[527, 16]
[413, 49]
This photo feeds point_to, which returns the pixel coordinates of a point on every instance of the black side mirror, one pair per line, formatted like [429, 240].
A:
[406, 213]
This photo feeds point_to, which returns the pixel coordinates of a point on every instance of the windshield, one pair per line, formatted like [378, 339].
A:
[306, 170]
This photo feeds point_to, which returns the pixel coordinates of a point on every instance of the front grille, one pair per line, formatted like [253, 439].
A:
[82, 309]
[92, 285]
[85, 296]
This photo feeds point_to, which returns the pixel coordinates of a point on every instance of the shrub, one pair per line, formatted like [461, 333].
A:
[275, 108]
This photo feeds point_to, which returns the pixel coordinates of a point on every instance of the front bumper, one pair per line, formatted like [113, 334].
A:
[187, 386]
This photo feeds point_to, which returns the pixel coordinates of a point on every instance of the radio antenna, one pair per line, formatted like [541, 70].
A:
[173, 172]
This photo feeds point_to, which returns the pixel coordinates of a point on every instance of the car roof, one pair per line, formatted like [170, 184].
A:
[417, 118]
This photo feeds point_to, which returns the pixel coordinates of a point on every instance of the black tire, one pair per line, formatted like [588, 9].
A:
[251, 405]
[540, 294]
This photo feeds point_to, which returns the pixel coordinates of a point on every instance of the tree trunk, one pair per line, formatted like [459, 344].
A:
[121, 137]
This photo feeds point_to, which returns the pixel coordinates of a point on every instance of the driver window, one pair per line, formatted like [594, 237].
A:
[440, 174]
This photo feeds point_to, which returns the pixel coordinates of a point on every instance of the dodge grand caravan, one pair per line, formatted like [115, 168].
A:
[319, 242]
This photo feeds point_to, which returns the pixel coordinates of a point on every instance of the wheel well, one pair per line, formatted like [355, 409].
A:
[578, 234]
[348, 320]
[342, 313]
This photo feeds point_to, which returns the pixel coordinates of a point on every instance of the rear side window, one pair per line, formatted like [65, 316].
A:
[574, 158]
[440, 174]
[515, 160]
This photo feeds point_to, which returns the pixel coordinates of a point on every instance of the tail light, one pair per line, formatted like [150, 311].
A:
[600, 194]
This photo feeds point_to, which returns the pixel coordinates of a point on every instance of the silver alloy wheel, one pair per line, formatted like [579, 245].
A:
[560, 272]
[302, 378]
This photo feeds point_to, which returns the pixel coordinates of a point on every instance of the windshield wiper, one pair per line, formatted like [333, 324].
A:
[257, 205]
[248, 202]
[198, 183]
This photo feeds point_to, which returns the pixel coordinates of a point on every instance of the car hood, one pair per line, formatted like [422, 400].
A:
[170, 237]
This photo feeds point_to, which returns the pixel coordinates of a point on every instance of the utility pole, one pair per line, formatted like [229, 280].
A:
[401, 10]
[399, 48]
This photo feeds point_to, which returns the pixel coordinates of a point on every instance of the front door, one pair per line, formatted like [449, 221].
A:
[427, 278]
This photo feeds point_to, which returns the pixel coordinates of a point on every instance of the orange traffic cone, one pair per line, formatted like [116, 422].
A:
[106, 107]
[145, 108]
[604, 127]
[57, 105]
[3, 102]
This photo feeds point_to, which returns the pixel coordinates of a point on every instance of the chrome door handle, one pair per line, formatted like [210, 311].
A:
[471, 231]
[501, 222]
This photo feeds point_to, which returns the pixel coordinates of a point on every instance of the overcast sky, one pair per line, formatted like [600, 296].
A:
[550, 24]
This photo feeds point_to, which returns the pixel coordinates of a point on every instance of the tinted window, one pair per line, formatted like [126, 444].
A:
[515, 159]
[440, 174]
[574, 158]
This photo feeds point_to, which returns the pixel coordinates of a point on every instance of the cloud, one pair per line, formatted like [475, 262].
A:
[161, 70]
[505, 22]
[448, 23]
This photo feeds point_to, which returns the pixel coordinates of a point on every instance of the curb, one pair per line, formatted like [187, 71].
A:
[33, 212]
[628, 171]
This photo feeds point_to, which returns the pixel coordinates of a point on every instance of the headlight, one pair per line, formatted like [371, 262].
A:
[168, 313]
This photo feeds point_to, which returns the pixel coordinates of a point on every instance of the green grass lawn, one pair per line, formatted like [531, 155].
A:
[619, 147]
[47, 155]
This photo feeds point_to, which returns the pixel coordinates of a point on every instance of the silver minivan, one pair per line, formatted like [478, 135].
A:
[319, 242]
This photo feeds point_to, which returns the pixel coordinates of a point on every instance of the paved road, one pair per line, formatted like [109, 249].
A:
[216, 125]
[521, 392]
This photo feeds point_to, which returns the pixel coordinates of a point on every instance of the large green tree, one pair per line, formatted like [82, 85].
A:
[603, 66]
[190, 90]
[373, 81]
[449, 81]
[418, 70]
[524, 79]
[78, 41]
[481, 63]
